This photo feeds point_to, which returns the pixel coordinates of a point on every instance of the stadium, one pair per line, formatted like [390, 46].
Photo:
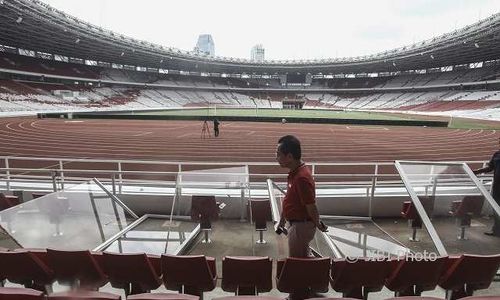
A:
[113, 187]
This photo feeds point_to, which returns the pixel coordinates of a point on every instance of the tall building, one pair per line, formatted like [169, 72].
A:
[205, 45]
[257, 53]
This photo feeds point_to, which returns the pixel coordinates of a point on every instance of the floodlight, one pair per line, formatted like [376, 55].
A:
[122, 54]
[1, 2]
[476, 45]
[77, 41]
[432, 56]
[19, 20]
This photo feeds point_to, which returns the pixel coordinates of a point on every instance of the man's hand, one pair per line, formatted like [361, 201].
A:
[280, 227]
[282, 222]
[322, 227]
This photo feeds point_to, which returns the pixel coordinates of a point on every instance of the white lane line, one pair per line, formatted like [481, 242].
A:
[251, 132]
[185, 135]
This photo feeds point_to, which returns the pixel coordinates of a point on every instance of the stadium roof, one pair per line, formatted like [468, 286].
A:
[34, 25]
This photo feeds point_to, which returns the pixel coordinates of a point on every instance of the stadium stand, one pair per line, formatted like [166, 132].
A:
[454, 74]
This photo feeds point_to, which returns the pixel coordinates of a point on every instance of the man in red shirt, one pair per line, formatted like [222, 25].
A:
[299, 204]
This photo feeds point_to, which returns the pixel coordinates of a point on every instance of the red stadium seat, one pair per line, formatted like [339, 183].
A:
[190, 274]
[246, 275]
[77, 268]
[8, 201]
[83, 295]
[407, 279]
[26, 268]
[414, 298]
[464, 210]
[162, 296]
[409, 212]
[15, 293]
[39, 253]
[469, 273]
[204, 209]
[249, 298]
[261, 213]
[132, 272]
[303, 275]
[328, 298]
[357, 279]
[481, 298]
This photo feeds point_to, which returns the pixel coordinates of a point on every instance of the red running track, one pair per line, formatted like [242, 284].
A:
[238, 142]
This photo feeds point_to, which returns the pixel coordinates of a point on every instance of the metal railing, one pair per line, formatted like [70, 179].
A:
[145, 176]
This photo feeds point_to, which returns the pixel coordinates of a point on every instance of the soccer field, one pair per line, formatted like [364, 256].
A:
[456, 123]
[281, 113]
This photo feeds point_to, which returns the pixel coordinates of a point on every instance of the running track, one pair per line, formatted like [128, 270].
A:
[239, 141]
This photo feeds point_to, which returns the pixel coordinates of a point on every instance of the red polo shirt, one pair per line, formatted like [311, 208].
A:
[300, 192]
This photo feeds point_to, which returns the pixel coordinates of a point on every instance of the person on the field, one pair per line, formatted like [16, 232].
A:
[216, 127]
[493, 165]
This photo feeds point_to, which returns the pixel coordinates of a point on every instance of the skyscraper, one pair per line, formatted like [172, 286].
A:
[205, 45]
[257, 53]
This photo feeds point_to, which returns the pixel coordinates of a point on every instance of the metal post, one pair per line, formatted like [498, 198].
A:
[113, 183]
[61, 174]
[461, 235]
[414, 235]
[261, 238]
[54, 183]
[7, 173]
[372, 193]
[242, 203]
[206, 237]
[178, 193]
[120, 178]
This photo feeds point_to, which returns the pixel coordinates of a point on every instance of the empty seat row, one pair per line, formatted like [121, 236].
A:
[140, 273]
[134, 273]
[460, 276]
[13, 293]
[30, 294]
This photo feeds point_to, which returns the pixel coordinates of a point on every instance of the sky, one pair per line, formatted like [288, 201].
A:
[288, 29]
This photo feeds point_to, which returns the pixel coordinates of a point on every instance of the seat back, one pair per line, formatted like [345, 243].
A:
[204, 209]
[8, 201]
[302, 273]
[475, 271]
[246, 272]
[83, 295]
[470, 205]
[163, 296]
[408, 273]
[79, 266]
[365, 274]
[428, 204]
[24, 267]
[38, 194]
[408, 211]
[261, 213]
[188, 270]
[15, 293]
[125, 269]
